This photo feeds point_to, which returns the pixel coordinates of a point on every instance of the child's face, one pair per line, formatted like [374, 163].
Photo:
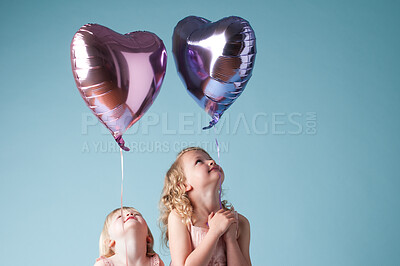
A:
[200, 169]
[132, 221]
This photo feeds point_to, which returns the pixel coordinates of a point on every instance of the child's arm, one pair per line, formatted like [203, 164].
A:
[237, 249]
[181, 249]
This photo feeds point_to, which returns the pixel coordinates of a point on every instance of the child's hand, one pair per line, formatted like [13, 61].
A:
[221, 221]
[232, 232]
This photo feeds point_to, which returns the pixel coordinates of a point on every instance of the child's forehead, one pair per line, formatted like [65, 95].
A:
[195, 153]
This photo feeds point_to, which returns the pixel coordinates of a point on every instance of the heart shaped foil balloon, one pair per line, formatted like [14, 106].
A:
[118, 76]
[214, 60]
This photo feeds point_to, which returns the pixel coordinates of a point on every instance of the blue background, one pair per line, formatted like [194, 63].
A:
[311, 148]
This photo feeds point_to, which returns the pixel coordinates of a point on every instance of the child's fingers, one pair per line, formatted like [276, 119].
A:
[224, 212]
[229, 214]
[211, 215]
[230, 222]
[230, 217]
[221, 211]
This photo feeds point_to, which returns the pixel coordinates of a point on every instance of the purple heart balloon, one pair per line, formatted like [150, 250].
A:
[214, 60]
[118, 76]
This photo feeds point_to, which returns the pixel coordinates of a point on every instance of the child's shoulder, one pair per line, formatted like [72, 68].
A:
[243, 219]
[174, 213]
[244, 224]
[174, 216]
[176, 222]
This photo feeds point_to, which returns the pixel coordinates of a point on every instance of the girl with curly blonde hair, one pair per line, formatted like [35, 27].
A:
[199, 228]
[126, 240]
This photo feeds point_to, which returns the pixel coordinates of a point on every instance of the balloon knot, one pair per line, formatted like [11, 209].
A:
[121, 143]
[212, 123]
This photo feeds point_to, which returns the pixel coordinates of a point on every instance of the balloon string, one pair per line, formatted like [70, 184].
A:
[122, 211]
[122, 179]
[219, 163]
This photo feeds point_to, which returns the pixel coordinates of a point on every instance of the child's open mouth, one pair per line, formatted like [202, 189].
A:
[130, 217]
[214, 168]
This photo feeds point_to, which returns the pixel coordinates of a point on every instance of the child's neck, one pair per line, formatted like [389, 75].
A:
[203, 205]
[136, 252]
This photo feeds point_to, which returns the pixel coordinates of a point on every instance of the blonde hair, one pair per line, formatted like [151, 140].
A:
[174, 196]
[105, 250]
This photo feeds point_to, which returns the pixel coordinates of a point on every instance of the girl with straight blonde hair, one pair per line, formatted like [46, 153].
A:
[126, 240]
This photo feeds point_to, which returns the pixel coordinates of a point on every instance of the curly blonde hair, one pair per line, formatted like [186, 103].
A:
[174, 196]
[105, 250]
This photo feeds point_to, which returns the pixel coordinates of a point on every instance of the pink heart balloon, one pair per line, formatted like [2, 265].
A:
[118, 76]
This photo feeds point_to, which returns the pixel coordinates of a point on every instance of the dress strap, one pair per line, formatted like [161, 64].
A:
[237, 224]
[190, 225]
[155, 260]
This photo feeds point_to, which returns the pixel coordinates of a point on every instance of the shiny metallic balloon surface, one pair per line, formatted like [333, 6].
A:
[118, 76]
[214, 60]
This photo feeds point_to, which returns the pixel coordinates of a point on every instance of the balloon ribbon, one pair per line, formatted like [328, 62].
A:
[219, 161]
[122, 194]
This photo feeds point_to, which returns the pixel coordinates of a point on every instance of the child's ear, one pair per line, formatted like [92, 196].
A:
[110, 243]
[188, 187]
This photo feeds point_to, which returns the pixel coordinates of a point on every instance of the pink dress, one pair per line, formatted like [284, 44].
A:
[219, 255]
[154, 261]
